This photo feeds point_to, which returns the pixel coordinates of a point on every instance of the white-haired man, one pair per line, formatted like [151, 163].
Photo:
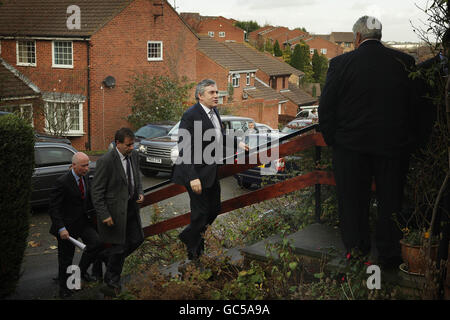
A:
[368, 114]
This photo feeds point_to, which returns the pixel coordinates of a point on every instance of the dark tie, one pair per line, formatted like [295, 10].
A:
[130, 186]
[81, 186]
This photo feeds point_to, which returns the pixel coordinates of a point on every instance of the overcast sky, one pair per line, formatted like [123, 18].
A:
[317, 16]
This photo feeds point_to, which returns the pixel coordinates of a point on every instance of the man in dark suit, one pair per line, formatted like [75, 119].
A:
[69, 206]
[368, 113]
[116, 195]
[196, 169]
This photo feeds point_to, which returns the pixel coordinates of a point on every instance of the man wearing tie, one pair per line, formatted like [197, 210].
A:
[116, 195]
[69, 206]
[196, 171]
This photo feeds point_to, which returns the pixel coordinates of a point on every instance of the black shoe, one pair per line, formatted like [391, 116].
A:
[111, 289]
[88, 278]
[65, 293]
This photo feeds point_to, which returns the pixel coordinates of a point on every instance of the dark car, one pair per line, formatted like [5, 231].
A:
[51, 161]
[151, 130]
[159, 154]
[271, 172]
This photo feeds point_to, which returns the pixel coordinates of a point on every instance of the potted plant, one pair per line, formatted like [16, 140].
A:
[414, 246]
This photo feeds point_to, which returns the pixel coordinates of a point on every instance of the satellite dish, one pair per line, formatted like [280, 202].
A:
[109, 82]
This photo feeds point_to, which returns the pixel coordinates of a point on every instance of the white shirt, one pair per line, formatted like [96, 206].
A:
[215, 120]
[124, 165]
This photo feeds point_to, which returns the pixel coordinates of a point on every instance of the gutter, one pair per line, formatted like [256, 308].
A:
[88, 56]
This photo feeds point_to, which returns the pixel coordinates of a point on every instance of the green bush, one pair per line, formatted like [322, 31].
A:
[17, 163]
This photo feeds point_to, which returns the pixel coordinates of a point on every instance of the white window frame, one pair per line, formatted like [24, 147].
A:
[311, 50]
[57, 65]
[71, 132]
[26, 64]
[211, 34]
[222, 34]
[161, 51]
[235, 80]
[323, 51]
[247, 79]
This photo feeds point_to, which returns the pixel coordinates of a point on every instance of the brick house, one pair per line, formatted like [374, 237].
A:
[69, 63]
[219, 28]
[261, 85]
[342, 39]
[18, 94]
[323, 46]
[283, 35]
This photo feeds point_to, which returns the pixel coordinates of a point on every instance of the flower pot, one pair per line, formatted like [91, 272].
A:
[415, 257]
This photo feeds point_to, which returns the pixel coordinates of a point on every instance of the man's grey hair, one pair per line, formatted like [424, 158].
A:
[200, 89]
[79, 156]
[368, 27]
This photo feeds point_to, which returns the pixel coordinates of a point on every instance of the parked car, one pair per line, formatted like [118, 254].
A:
[151, 130]
[51, 161]
[271, 172]
[44, 137]
[309, 112]
[296, 125]
[159, 154]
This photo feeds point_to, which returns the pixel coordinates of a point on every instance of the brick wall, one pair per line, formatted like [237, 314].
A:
[220, 24]
[318, 43]
[119, 49]
[263, 111]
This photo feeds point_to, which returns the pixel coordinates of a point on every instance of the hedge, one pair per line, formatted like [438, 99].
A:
[17, 164]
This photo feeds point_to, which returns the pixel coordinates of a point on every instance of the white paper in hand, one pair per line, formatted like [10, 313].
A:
[79, 244]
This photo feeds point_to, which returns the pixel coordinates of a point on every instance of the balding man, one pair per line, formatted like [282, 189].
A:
[69, 205]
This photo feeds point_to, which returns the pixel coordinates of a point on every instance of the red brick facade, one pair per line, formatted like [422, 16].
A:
[317, 43]
[118, 49]
[222, 30]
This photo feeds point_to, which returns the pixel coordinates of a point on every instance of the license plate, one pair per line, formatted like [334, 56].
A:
[262, 166]
[154, 160]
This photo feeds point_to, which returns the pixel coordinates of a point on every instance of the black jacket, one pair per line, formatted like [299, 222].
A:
[369, 104]
[67, 208]
[184, 172]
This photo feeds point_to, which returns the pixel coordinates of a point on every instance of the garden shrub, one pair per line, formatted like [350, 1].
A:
[17, 163]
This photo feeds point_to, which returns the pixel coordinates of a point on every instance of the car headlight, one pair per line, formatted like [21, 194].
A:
[174, 154]
[142, 148]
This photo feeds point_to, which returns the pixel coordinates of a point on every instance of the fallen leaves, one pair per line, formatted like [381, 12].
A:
[34, 244]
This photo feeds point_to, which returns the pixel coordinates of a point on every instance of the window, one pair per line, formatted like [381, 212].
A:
[347, 44]
[284, 82]
[62, 54]
[53, 156]
[26, 53]
[323, 51]
[235, 79]
[64, 117]
[248, 79]
[155, 51]
[25, 111]
[211, 34]
[222, 34]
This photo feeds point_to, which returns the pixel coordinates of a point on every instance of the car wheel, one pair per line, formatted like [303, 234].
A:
[149, 173]
[246, 185]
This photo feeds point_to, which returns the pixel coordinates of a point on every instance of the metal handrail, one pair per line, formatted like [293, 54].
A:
[255, 149]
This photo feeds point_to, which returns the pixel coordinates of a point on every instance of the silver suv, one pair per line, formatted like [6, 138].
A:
[159, 154]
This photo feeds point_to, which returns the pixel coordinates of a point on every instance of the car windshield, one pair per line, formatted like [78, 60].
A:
[174, 130]
[150, 132]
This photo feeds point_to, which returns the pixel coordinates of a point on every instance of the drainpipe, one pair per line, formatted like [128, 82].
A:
[89, 147]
